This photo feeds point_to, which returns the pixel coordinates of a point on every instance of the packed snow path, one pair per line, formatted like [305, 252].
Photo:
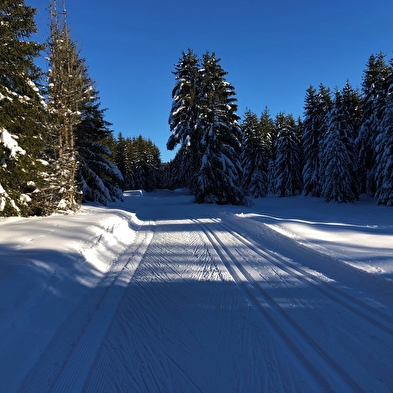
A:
[203, 300]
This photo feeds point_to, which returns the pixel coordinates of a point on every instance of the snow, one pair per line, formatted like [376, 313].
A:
[161, 294]
[9, 141]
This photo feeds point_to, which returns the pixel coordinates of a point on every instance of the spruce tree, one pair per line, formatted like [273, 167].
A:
[384, 151]
[98, 178]
[66, 95]
[310, 142]
[288, 161]
[374, 89]
[22, 112]
[183, 119]
[218, 177]
[146, 164]
[122, 159]
[338, 156]
[254, 157]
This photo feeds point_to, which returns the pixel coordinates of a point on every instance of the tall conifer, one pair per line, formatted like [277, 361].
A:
[338, 156]
[22, 120]
[66, 95]
[219, 174]
[288, 161]
[254, 157]
[374, 88]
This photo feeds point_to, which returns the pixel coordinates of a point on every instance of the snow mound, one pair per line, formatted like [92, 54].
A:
[134, 193]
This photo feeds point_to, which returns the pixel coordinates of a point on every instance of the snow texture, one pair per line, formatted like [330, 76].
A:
[160, 294]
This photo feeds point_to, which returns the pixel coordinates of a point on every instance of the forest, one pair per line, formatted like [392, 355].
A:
[57, 150]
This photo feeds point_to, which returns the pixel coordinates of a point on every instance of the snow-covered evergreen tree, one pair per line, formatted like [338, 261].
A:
[66, 95]
[219, 174]
[374, 88]
[203, 120]
[254, 157]
[288, 160]
[123, 154]
[146, 163]
[315, 110]
[384, 153]
[338, 156]
[98, 178]
[22, 109]
[184, 113]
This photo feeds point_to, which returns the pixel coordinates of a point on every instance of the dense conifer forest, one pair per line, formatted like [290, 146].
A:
[57, 150]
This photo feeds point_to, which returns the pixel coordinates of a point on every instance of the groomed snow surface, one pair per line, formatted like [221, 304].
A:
[158, 294]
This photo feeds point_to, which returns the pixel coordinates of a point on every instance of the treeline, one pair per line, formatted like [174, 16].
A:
[139, 161]
[341, 148]
[56, 148]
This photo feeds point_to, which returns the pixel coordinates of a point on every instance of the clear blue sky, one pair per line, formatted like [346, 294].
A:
[272, 50]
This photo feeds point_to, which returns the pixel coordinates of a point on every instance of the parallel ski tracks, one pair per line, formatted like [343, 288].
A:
[66, 362]
[361, 309]
[303, 346]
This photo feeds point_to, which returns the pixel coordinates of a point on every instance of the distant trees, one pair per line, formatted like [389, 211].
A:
[139, 161]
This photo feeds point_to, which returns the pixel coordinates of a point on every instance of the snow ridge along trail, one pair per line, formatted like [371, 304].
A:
[68, 358]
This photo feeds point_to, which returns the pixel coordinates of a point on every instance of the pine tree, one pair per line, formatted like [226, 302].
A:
[338, 156]
[122, 159]
[184, 113]
[146, 164]
[352, 105]
[384, 151]
[22, 112]
[98, 178]
[317, 106]
[66, 96]
[254, 157]
[374, 87]
[218, 177]
[288, 161]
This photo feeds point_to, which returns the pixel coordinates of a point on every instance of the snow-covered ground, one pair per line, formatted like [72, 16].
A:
[158, 294]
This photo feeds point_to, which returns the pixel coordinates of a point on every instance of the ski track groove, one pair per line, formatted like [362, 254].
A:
[262, 301]
[357, 307]
[361, 309]
[373, 316]
[66, 361]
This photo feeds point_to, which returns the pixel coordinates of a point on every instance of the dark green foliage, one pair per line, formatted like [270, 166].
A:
[98, 179]
[255, 154]
[288, 160]
[139, 162]
[317, 106]
[22, 113]
[374, 89]
[67, 94]
[338, 156]
[384, 149]
[203, 120]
